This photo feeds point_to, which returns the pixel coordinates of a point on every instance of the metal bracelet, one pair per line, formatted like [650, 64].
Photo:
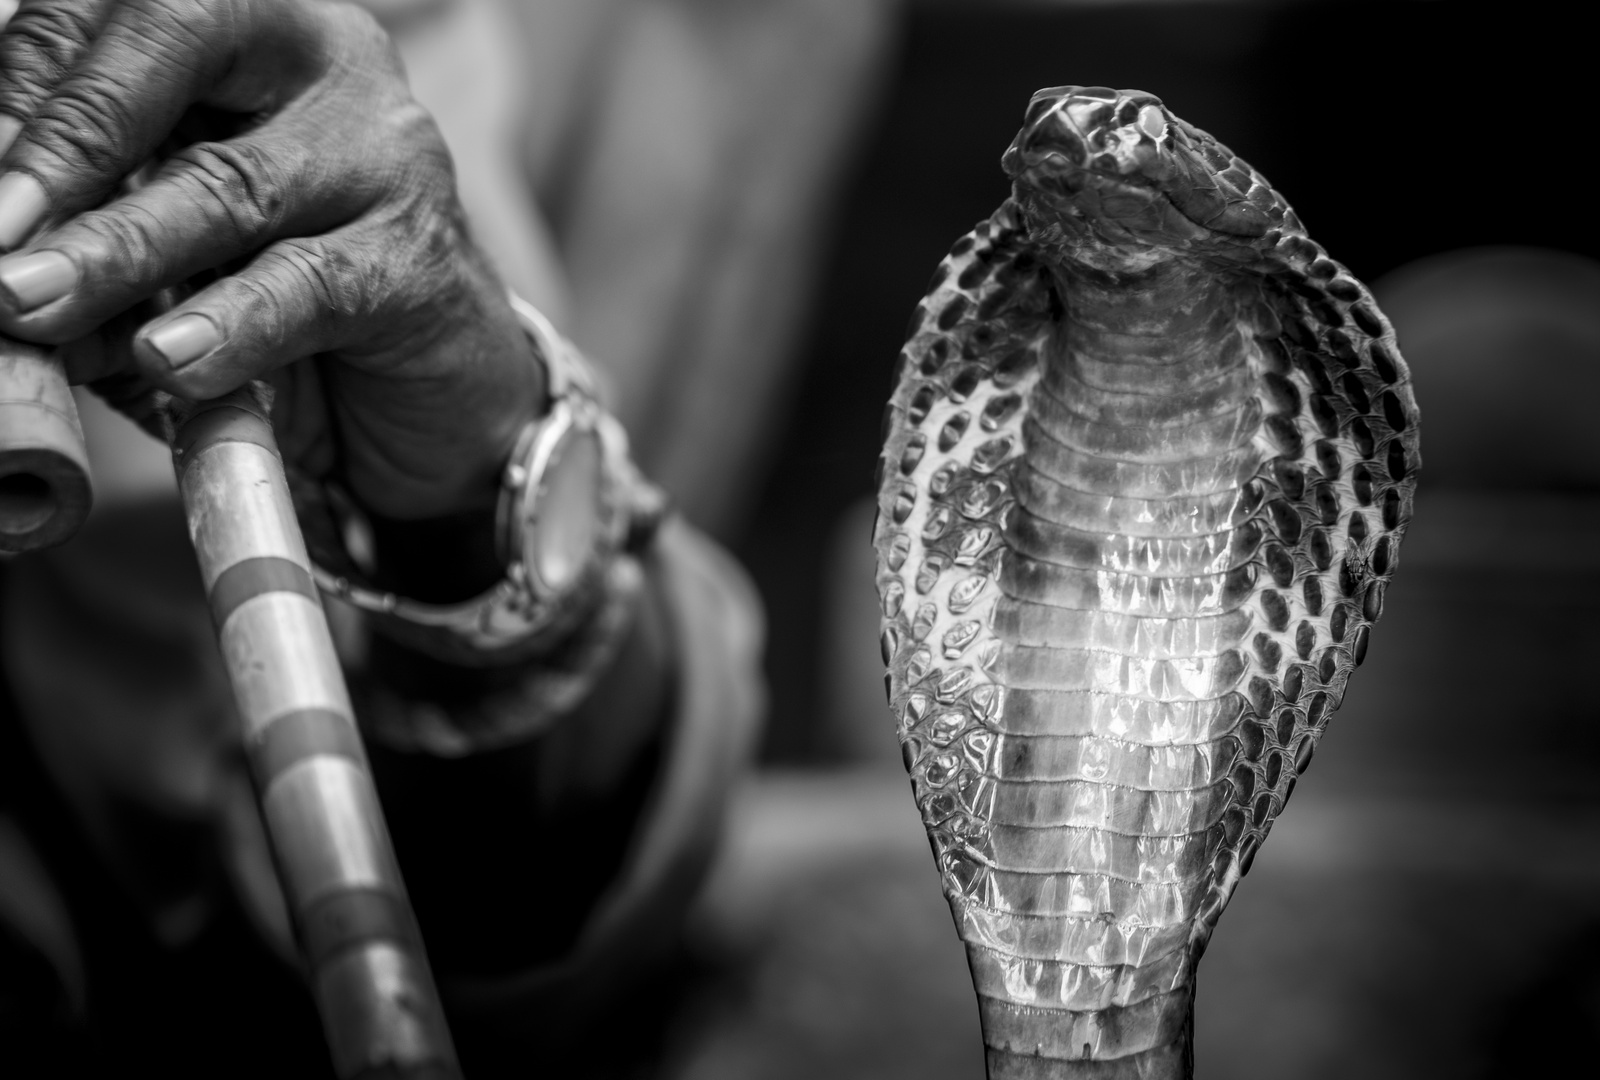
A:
[556, 561]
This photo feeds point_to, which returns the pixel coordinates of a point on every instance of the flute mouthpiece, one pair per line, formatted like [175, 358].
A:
[45, 492]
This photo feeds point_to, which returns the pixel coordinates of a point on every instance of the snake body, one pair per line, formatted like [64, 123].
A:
[1148, 461]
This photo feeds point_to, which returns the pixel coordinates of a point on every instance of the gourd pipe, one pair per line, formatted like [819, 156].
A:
[45, 493]
[359, 939]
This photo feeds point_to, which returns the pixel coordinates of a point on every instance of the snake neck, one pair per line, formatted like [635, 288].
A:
[1163, 313]
[1157, 352]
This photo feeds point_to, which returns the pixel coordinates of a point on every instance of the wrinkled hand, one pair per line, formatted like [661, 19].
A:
[325, 222]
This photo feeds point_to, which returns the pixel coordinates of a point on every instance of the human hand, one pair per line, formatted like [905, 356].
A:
[328, 215]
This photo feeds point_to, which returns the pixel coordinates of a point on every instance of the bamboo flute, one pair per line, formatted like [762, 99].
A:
[364, 956]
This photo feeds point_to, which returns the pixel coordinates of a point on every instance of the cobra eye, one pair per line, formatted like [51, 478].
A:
[1151, 122]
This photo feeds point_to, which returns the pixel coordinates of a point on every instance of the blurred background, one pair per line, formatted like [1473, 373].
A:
[734, 206]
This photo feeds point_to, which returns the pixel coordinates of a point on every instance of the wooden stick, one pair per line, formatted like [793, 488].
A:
[44, 468]
[368, 972]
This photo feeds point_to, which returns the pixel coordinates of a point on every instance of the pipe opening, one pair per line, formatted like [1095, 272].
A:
[26, 502]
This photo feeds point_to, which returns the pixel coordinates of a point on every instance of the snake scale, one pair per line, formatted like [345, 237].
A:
[1147, 464]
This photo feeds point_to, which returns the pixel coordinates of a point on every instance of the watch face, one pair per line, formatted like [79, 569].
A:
[565, 526]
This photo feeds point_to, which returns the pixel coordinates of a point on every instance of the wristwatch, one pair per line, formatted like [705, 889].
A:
[571, 505]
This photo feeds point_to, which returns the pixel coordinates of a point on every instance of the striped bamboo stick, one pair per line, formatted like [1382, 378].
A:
[44, 467]
[367, 969]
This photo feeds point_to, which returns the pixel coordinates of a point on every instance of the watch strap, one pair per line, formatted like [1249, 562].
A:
[567, 464]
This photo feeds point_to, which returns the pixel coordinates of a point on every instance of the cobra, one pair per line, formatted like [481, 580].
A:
[1149, 458]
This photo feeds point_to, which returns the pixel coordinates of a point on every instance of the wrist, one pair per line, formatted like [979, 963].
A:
[484, 589]
[455, 552]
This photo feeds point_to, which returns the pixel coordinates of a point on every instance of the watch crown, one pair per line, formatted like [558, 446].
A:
[516, 475]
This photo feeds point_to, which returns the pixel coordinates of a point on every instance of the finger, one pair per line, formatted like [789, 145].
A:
[40, 45]
[296, 299]
[211, 205]
[152, 60]
[359, 293]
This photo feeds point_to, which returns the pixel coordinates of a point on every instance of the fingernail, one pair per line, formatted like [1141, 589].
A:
[35, 279]
[10, 128]
[184, 340]
[22, 204]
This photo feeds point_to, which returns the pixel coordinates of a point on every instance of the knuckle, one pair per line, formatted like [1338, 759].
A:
[408, 164]
[239, 182]
[50, 33]
[407, 124]
[54, 30]
[124, 241]
[41, 42]
[342, 287]
[86, 123]
[418, 173]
